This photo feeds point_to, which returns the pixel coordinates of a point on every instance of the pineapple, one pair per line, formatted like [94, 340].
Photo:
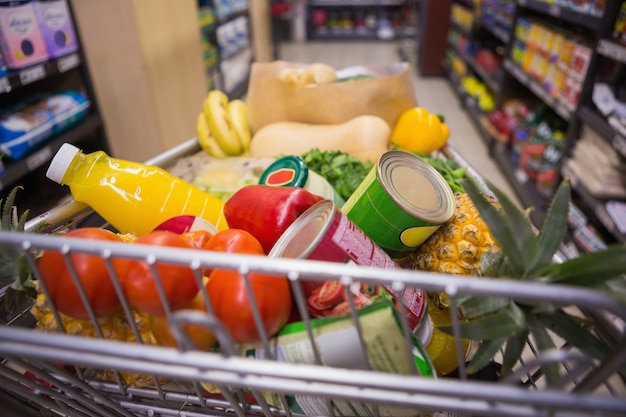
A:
[458, 245]
[503, 324]
[14, 271]
[113, 327]
[23, 290]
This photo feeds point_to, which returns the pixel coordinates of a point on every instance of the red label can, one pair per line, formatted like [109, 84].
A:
[324, 233]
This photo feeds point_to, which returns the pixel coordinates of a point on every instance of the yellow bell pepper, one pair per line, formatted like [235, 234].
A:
[417, 130]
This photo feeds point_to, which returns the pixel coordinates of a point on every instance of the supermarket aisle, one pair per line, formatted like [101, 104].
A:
[433, 93]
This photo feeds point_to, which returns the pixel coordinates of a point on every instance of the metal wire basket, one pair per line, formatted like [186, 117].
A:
[57, 372]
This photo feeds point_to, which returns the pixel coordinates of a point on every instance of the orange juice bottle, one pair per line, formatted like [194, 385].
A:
[131, 196]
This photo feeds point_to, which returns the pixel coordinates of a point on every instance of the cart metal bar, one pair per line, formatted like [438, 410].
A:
[287, 378]
[321, 271]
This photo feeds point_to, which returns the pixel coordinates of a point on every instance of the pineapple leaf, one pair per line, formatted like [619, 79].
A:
[479, 305]
[571, 330]
[544, 342]
[554, 227]
[501, 324]
[616, 288]
[15, 272]
[494, 264]
[9, 213]
[485, 352]
[527, 242]
[515, 244]
[513, 351]
[589, 269]
[9, 220]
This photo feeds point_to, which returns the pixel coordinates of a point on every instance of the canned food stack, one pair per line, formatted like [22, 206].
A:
[322, 283]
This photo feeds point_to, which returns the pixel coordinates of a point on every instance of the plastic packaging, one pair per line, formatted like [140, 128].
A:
[131, 196]
[21, 40]
[56, 27]
[34, 120]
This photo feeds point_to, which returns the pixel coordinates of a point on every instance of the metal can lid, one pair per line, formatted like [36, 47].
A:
[286, 171]
[416, 186]
[306, 232]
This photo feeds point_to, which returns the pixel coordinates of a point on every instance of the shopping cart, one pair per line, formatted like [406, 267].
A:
[62, 374]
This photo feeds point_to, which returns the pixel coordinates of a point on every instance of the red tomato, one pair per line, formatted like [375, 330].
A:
[344, 307]
[139, 283]
[229, 297]
[92, 273]
[325, 298]
[235, 241]
[201, 337]
[199, 238]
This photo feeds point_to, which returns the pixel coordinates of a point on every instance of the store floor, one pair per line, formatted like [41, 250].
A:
[434, 93]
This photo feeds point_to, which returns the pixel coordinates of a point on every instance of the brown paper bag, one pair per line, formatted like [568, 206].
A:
[386, 95]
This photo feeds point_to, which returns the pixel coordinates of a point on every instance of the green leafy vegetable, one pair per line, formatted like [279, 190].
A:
[449, 170]
[341, 170]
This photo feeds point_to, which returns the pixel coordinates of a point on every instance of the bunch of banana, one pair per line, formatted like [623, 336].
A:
[222, 126]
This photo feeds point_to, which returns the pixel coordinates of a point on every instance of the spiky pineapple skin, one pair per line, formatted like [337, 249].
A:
[458, 245]
[115, 326]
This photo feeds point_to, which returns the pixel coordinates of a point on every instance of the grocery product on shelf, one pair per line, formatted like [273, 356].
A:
[556, 58]
[21, 40]
[226, 42]
[557, 52]
[619, 28]
[56, 27]
[135, 197]
[461, 16]
[597, 166]
[475, 88]
[25, 125]
[364, 21]
[610, 107]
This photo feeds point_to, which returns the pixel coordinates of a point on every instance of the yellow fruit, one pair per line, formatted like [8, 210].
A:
[457, 246]
[113, 327]
[221, 127]
[238, 112]
[206, 139]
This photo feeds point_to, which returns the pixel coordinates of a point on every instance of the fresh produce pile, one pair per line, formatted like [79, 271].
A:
[485, 236]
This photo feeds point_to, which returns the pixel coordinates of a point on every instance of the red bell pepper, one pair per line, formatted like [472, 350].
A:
[266, 211]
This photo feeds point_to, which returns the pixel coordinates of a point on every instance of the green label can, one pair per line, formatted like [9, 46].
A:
[401, 202]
